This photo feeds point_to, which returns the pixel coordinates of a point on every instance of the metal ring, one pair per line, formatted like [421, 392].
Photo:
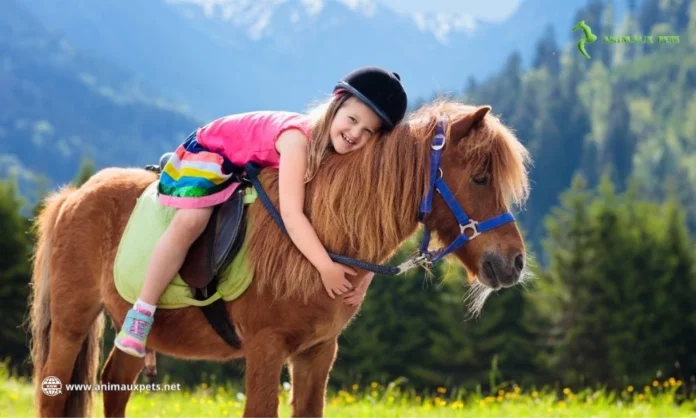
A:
[473, 225]
[439, 146]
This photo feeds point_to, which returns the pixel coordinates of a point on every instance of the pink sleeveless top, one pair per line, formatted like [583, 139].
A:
[251, 136]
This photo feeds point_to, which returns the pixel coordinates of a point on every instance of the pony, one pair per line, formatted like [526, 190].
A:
[363, 205]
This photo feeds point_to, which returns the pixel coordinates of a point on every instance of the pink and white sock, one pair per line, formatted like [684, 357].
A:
[144, 308]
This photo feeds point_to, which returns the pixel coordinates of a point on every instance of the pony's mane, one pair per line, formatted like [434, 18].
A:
[364, 204]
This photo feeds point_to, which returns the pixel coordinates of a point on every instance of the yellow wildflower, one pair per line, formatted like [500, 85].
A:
[457, 405]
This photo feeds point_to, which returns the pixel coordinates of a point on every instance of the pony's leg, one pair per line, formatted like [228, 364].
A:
[71, 357]
[120, 369]
[309, 371]
[265, 355]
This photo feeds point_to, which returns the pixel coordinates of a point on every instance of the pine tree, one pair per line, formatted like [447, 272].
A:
[676, 14]
[620, 280]
[389, 338]
[547, 52]
[502, 91]
[674, 303]
[561, 291]
[648, 15]
[87, 169]
[619, 143]
[691, 27]
[606, 54]
[15, 249]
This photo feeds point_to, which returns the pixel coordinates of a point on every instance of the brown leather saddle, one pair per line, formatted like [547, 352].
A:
[216, 246]
[212, 252]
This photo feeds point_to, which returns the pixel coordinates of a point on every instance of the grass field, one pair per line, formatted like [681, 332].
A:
[656, 399]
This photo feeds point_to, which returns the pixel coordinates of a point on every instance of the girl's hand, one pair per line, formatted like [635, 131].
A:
[356, 296]
[334, 279]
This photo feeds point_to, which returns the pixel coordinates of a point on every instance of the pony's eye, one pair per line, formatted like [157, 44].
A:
[481, 179]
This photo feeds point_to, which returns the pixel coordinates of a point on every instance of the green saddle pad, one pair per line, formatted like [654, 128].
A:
[146, 225]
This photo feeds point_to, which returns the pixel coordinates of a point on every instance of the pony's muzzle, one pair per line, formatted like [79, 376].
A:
[498, 272]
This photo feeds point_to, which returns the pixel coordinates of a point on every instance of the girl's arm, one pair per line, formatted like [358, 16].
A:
[292, 146]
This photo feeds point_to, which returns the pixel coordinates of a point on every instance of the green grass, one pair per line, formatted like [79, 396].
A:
[654, 400]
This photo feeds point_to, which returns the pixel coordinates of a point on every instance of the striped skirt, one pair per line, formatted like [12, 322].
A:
[196, 178]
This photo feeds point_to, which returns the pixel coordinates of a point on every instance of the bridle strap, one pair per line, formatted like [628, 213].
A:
[438, 184]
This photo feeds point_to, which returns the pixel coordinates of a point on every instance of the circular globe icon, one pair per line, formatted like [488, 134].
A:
[51, 386]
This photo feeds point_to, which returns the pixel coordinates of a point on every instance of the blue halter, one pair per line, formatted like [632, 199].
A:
[466, 224]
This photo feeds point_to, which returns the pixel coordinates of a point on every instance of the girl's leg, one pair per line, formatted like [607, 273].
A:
[170, 252]
[166, 260]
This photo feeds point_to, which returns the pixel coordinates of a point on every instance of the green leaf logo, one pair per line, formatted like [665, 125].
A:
[589, 37]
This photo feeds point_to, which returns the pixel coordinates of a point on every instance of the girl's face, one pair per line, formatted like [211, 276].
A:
[353, 127]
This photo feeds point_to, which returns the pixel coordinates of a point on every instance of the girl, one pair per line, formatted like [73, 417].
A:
[365, 104]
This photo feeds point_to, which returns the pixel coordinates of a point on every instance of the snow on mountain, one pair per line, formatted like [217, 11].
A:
[258, 17]
[442, 25]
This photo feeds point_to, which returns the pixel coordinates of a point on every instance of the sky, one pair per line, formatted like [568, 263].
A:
[493, 10]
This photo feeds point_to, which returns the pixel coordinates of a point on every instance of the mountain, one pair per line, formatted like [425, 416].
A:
[223, 56]
[60, 105]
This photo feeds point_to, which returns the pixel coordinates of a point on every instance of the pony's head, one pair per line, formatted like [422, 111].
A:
[364, 205]
[485, 167]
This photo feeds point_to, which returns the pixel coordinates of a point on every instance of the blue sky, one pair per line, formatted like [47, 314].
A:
[486, 10]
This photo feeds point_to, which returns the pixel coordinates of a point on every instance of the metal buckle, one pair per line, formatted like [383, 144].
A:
[473, 225]
[420, 260]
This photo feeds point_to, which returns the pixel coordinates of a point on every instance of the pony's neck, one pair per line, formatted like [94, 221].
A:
[365, 204]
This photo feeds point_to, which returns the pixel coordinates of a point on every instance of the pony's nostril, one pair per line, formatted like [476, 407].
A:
[519, 262]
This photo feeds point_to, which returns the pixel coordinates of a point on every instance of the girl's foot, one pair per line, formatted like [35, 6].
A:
[133, 335]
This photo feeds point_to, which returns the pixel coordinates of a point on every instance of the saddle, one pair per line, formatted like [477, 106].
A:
[211, 253]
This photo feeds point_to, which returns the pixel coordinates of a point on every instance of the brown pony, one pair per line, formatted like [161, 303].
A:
[363, 205]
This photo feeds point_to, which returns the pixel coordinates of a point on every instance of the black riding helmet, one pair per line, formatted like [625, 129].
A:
[379, 89]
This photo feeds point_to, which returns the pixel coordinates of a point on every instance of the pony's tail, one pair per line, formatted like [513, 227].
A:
[85, 368]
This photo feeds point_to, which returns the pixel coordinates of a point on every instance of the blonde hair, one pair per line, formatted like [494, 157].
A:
[321, 116]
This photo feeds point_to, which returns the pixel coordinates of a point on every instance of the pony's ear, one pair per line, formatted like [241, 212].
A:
[461, 128]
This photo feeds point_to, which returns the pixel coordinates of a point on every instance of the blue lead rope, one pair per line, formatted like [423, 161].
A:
[253, 171]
